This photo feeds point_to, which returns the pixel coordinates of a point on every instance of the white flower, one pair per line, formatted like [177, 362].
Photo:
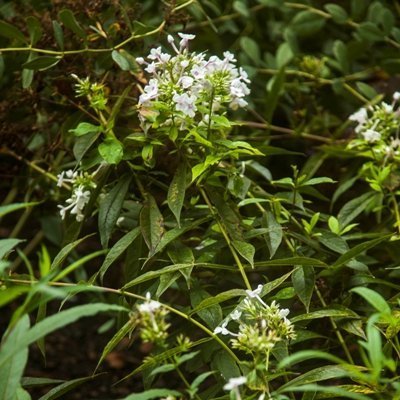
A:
[359, 116]
[151, 68]
[396, 96]
[235, 315]
[283, 313]
[186, 104]
[76, 203]
[149, 306]
[186, 81]
[234, 383]
[198, 72]
[185, 39]
[66, 176]
[150, 91]
[140, 60]
[254, 293]
[229, 57]
[387, 107]
[223, 331]
[371, 135]
[155, 54]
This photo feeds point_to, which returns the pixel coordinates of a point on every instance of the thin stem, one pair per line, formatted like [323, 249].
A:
[121, 292]
[227, 239]
[28, 249]
[396, 211]
[336, 329]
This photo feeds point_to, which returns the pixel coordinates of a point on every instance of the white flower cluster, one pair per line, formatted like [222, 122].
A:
[376, 123]
[261, 326]
[187, 87]
[80, 195]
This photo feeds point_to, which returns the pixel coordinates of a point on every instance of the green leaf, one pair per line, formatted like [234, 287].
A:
[325, 313]
[54, 322]
[117, 250]
[338, 13]
[58, 34]
[274, 90]
[33, 381]
[152, 394]
[155, 274]
[367, 90]
[84, 128]
[64, 252]
[303, 279]
[121, 61]
[35, 30]
[9, 208]
[357, 250]
[305, 355]
[354, 208]
[151, 224]
[176, 192]
[318, 374]
[6, 245]
[291, 261]
[307, 23]
[373, 298]
[284, 55]
[11, 32]
[338, 392]
[370, 32]
[274, 235]
[11, 372]
[317, 181]
[211, 315]
[41, 63]
[12, 293]
[65, 387]
[68, 19]
[219, 298]
[111, 150]
[83, 144]
[246, 250]
[110, 209]
[119, 335]
[251, 48]
[225, 365]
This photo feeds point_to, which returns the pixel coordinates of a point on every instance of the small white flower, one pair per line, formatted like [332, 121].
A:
[151, 68]
[254, 293]
[198, 72]
[155, 54]
[150, 91]
[235, 315]
[140, 60]
[76, 203]
[396, 96]
[359, 116]
[149, 306]
[283, 313]
[186, 104]
[234, 383]
[186, 81]
[371, 135]
[387, 107]
[229, 57]
[185, 39]
[223, 330]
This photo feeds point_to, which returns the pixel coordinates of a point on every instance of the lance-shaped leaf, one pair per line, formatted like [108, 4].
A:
[151, 224]
[176, 191]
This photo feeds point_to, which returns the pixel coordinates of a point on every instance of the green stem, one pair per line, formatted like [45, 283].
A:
[121, 292]
[396, 211]
[227, 239]
[336, 329]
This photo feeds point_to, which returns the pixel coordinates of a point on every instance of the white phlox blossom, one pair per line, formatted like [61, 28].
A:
[80, 194]
[370, 135]
[255, 294]
[223, 330]
[184, 87]
[185, 104]
[234, 383]
[76, 203]
[149, 306]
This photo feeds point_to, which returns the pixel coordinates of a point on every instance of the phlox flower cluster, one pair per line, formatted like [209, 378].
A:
[152, 321]
[81, 183]
[378, 128]
[186, 89]
[259, 326]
